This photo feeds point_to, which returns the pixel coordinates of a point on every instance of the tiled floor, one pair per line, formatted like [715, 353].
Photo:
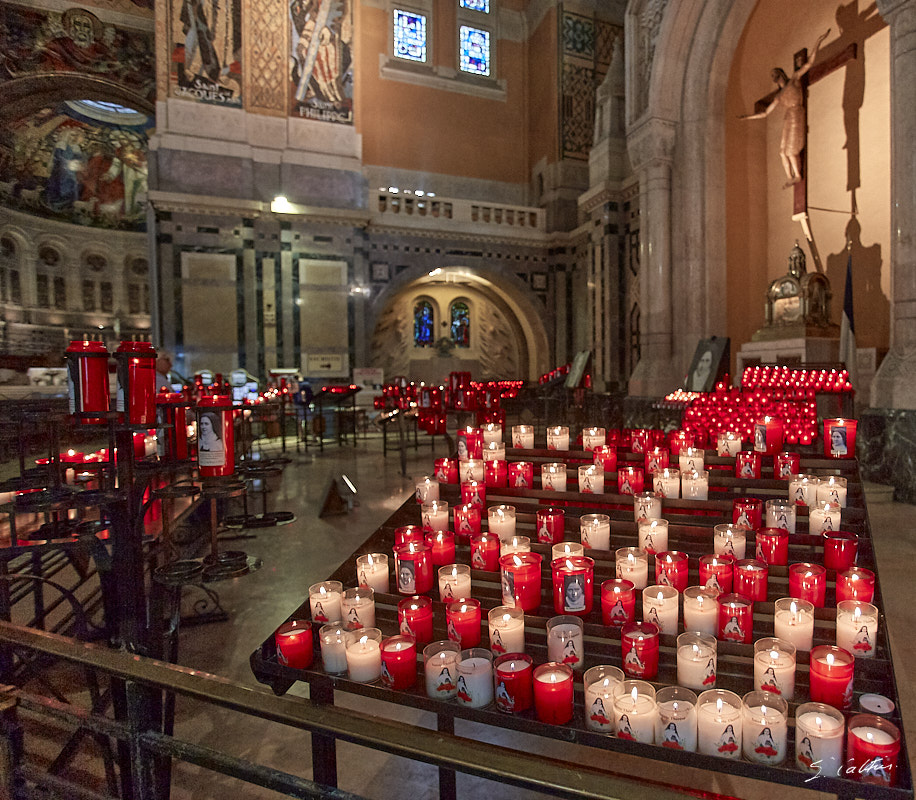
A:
[312, 547]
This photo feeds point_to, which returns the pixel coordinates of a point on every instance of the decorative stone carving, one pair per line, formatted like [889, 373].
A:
[265, 48]
[648, 20]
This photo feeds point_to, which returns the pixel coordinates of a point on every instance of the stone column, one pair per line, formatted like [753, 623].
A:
[651, 147]
[895, 383]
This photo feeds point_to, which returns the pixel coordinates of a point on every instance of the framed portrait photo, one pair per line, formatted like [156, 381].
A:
[709, 365]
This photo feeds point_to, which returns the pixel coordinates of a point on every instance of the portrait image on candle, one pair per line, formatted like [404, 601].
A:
[618, 602]
[507, 629]
[635, 711]
[440, 666]
[764, 727]
[719, 725]
[819, 733]
[514, 690]
[599, 684]
[676, 722]
[372, 572]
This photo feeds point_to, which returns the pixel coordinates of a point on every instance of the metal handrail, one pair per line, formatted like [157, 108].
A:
[531, 771]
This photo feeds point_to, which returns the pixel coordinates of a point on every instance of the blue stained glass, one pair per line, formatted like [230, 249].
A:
[423, 324]
[476, 5]
[409, 35]
[461, 324]
[475, 50]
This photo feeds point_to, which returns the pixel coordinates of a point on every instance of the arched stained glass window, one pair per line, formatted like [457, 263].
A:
[460, 323]
[423, 324]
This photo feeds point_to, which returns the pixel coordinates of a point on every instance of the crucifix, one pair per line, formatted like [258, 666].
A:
[792, 94]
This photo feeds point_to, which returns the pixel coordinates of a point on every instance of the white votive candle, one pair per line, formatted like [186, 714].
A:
[701, 609]
[553, 477]
[794, 622]
[514, 544]
[695, 484]
[492, 432]
[819, 730]
[823, 517]
[676, 721]
[633, 565]
[780, 514]
[427, 489]
[653, 535]
[857, 627]
[324, 601]
[523, 437]
[595, 531]
[667, 483]
[434, 515]
[333, 641]
[593, 437]
[591, 479]
[357, 608]
[635, 711]
[646, 506]
[832, 489]
[454, 582]
[764, 728]
[564, 549]
[599, 683]
[803, 489]
[475, 678]
[691, 459]
[660, 607]
[696, 660]
[558, 437]
[719, 724]
[501, 521]
[507, 630]
[729, 540]
[364, 655]
[372, 572]
[774, 666]
[440, 666]
[565, 641]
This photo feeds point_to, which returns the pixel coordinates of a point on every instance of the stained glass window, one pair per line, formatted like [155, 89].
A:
[423, 324]
[409, 35]
[461, 324]
[475, 50]
[476, 5]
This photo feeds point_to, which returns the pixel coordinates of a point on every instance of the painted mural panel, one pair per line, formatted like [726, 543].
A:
[206, 61]
[78, 162]
[36, 41]
[322, 65]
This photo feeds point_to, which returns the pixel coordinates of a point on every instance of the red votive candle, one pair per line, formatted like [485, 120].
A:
[521, 580]
[467, 521]
[399, 662]
[415, 618]
[656, 458]
[408, 533]
[514, 690]
[856, 583]
[573, 578]
[747, 513]
[441, 547]
[671, 569]
[470, 443]
[474, 493]
[747, 464]
[785, 465]
[840, 438]
[751, 578]
[831, 676]
[553, 693]
[717, 572]
[605, 456]
[495, 474]
[413, 568]
[446, 470]
[773, 546]
[639, 649]
[872, 750]
[630, 480]
[294, 644]
[840, 550]
[736, 619]
[521, 475]
[679, 439]
[618, 602]
[551, 525]
[485, 552]
[769, 434]
[640, 440]
[808, 582]
[463, 622]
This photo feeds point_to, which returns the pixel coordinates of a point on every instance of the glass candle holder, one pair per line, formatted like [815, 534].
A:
[446, 470]
[717, 572]
[772, 546]
[469, 442]
[551, 525]
[409, 533]
[676, 723]
[496, 474]
[593, 437]
[595, 531]
[605, 456]
[719, 723]
[729, 540]
[357, 608]
[293, 640]
[832, 489]
[553, 693]
[819, 733]
[372, 572]
[630, 480]
[736, 619]
[599, 683]
[639, 648]
[872, 750]
[507, 629]
[591, 479]
[692, 459]
[780, 514]
[618, 602]
[656, 458]
[840, 438]
[667, 483]
[514, 679]
[415, 618]
[640, 440]
[565, 641]
[856, 583]
[553, 477]
[485, 552]
[728, 444]
[471, 470]
[475, 677]
[701, 609]
[774, 666]
[413, 567]
[696, 660]
[769, 434]
[501, 521]
[794, 622]
[521, 475]
[803, 489]
[635, 711]
[671, 569]
[646, 507]
[399, 662]
[840, 550]
[831, 674]
[857, 627]
[333, 641]
[566, 549]
[653, 535]
[695, 484]
[427, 489]
[441, 547]
[492, 432]
[364, 656]
[516, 544]
[765, 727]
[440, 666]
[521, 580]
[474, 493]
[748, 465]
[573, 579]
[324, 601]
[523, 437]
[494, 451]
[467, 521]
[633, 565]
[751, 578]
[434, 515]
[808, 582]
[454, 582]
[785, 465]
[558, 437]
[462, 622]
[660, 607]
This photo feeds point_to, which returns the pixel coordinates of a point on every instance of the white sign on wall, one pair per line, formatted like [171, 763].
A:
[324, 364]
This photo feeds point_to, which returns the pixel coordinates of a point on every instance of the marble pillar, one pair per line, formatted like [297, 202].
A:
[894, 385]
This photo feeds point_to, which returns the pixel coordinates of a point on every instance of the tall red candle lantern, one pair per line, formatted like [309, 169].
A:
[87, 376]
[215, 436]
[769, 434]
[171, 408]
[136, 397]
[573, 584]
[413, 568]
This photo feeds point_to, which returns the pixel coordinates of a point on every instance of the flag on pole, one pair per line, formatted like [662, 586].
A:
[848, 330]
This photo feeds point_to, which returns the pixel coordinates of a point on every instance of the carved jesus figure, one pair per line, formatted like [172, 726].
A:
[790, 95]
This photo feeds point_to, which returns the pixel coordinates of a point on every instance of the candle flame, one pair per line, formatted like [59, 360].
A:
[440, 537]
[463, 608]
[322, 590]
[517, 560]
[793, 607]
[857, 612]
[661, 597]
[630, 558]
[854, 576]
[606, 682]
[818, 722]
[569, 564]
[363, 639]
[763, 710]
[674, 706]
[870, 736]
[71, 452]
[830, 659]
[774, 654]
[455, 571]
[718, 705]
[668, 558]
[700, 600]
[634, 694]
[507, 617]
[369, 560]
[808, 574]
[696, 648]
[553, 677]
[397, 646]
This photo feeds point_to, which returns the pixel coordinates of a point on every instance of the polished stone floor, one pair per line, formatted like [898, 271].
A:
[311, 548]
